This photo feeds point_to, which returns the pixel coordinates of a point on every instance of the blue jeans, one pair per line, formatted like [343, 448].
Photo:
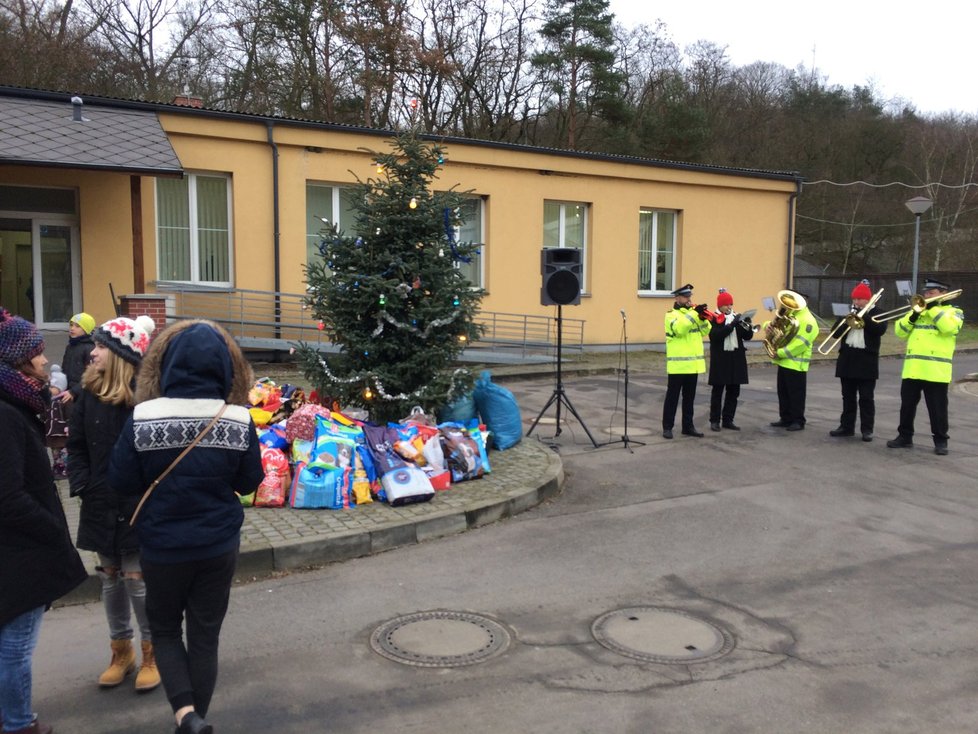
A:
[18, 638]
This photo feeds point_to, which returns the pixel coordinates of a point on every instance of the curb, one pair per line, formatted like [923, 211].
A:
[282, 539]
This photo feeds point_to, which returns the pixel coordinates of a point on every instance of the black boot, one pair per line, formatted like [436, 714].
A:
[192, 724]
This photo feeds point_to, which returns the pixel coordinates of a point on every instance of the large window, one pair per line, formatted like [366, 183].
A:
[327, 205]
[471, 230]
[656, 250]
[193, 225]
[565, 225]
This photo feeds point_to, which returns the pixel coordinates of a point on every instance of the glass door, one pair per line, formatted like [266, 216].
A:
[17, 267]
[54, 273]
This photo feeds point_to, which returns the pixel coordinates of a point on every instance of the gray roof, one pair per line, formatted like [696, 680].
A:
[43, 132]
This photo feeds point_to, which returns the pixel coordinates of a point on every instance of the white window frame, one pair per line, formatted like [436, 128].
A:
[654, 250]
[336, 202]
[191, 177]
[481, 254]
[562, 232]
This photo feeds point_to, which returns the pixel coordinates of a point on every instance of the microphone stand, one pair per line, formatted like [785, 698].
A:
[625, 439]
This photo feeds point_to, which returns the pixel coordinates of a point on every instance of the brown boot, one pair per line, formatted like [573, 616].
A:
[123, 663]
[148, 676]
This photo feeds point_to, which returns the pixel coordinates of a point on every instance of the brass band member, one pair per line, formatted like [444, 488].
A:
[793, 360]
[686, 327]
[858, 364]
[728, 362]
[931, 335]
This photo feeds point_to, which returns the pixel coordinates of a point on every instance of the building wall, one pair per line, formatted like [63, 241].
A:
[733, 229]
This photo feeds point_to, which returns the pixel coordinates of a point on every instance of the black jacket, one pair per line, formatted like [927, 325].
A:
[104, 522]
[194, 513]
[78, 354]
[38, 564]
[860, 364]
[728, 368]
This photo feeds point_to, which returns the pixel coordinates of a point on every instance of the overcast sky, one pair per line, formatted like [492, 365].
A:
[920, 52]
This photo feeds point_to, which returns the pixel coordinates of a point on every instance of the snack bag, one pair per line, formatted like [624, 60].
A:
[274, 488]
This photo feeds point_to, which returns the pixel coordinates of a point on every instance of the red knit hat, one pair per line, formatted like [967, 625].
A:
[862, 291]
[724, 298]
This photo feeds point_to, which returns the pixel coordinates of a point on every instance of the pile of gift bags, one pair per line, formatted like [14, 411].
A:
[316, 456]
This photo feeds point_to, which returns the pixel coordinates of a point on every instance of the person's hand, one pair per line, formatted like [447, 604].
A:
[737, 319]
[914, 315]
[65, 396]
[701, 310]
[934, 303]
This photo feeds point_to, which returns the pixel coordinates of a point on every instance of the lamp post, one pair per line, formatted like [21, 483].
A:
[917, 205]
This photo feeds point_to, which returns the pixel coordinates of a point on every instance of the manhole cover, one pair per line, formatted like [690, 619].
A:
[661, 635]
[440, 639]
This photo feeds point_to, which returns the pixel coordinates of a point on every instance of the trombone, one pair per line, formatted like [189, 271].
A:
[853, 321]
[917, 304]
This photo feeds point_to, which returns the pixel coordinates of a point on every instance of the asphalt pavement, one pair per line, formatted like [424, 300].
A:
[841, 573]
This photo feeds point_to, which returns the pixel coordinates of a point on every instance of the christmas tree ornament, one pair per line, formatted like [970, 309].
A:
[456, 302]
[382, 299]
[441, 252]
[413, 203]
[320, 326]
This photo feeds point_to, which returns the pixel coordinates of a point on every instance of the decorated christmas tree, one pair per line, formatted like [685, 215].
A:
[390, 295]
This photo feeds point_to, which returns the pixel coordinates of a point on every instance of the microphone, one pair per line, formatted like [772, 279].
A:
[622, 312]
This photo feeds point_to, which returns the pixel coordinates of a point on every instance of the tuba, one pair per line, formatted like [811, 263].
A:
[783, 328]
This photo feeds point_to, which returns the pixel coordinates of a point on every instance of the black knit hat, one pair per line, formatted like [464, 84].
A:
[20, 340]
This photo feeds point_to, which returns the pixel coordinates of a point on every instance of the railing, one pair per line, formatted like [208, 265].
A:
[275, 321]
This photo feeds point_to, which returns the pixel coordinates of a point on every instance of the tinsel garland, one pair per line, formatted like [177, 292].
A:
[379, 386]
[384, 316]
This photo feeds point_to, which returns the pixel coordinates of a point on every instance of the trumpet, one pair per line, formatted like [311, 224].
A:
[854, 320]
[917, 304]
[745, 322]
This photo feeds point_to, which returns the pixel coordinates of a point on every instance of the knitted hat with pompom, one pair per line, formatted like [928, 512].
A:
[126, 337]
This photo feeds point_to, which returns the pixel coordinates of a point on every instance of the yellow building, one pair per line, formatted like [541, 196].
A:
[151, 198]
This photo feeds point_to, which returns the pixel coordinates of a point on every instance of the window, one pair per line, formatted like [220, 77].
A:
[656, 250]
[565, 225]
[471, 230]
[335, 204]
[193, 216]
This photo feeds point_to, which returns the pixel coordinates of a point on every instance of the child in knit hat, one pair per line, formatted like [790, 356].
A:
[77, 354]
[102, 408]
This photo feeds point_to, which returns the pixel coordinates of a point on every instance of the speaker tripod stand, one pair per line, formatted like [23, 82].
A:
[558, 396]
[624, 437]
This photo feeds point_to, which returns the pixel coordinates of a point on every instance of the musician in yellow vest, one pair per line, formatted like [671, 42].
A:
[793, 360]
[686, 328]
[931, 334]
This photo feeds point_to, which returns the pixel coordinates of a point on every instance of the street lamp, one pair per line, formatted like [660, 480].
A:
[917, 205]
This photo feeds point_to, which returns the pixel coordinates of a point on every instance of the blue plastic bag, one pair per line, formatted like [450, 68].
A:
[499, 411]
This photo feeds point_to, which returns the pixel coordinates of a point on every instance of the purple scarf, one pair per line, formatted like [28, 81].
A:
[20, 388]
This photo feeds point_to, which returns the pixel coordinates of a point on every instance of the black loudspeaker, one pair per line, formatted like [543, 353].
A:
[561, 270]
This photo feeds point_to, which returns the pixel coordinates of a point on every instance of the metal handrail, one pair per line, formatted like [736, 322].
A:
[276, 320]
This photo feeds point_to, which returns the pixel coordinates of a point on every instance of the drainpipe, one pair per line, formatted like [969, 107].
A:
[277, 234]
[791, 232]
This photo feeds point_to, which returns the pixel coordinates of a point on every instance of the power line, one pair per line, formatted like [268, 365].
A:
[891, 226]
[891, 183]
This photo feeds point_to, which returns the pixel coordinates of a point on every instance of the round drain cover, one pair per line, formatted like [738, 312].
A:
[441, 639]
[661, 635]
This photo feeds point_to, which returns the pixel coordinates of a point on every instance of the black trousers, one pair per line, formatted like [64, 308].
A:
[676, 384]
[935, 396]
[792, 389]
[858, 394]
[721, 408]
[202, 590]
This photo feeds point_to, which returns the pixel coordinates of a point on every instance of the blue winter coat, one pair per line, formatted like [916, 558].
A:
[194, 513]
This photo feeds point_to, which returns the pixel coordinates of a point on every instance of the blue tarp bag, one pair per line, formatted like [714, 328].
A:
[499, 411]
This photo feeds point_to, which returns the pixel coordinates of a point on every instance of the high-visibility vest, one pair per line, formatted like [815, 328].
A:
[930, 342]
[797, 354]
[685, 332]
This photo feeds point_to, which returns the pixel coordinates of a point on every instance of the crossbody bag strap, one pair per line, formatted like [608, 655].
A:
[161, 477]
